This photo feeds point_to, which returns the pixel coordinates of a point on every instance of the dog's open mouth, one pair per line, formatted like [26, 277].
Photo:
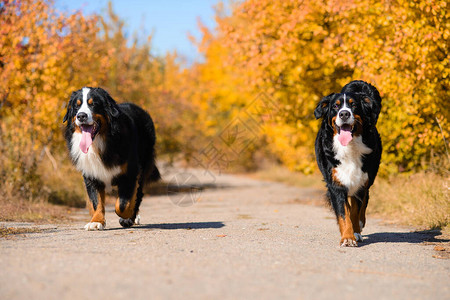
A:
[88, 133]
[345, 134]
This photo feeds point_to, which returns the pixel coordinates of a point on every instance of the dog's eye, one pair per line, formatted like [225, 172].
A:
[335, 106]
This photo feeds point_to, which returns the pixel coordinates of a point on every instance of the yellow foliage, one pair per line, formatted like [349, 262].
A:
[299, 51]
[45, 55]
[265, 67]
[38, 69]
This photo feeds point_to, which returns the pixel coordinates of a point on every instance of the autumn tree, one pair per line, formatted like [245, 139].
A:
[41, 63]
[157, 83]
[45, 55]
[300, 51]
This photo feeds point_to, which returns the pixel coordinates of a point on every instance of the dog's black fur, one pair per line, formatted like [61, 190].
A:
[349, 171]
[121, 154]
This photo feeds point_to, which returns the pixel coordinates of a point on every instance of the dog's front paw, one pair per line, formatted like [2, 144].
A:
[349, 242]
[126, 223]
[137, 221]
[94, 226]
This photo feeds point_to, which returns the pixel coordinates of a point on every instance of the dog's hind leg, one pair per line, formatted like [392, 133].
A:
[355, 210]
[139, 196]
[362, 212]
[127, 207]
[126, 202]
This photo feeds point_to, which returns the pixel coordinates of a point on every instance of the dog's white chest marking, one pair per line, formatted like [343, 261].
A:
[91, 164]
[349, 172]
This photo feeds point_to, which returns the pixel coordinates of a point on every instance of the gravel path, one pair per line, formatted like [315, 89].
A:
[246, 239]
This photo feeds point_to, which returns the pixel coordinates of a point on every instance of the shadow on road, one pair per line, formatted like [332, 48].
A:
[415, 237]
[191, 225]
[167, 188]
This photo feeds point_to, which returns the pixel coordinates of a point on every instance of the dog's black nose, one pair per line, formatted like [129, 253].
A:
[82, 117]
[344, 115]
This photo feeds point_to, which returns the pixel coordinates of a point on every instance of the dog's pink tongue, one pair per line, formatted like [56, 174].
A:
[86, 140]
[345, 137]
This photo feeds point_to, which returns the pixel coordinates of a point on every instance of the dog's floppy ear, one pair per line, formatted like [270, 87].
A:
[323, 106]
[371, 108]
[112, 107]
[69, 107]
[110, 104]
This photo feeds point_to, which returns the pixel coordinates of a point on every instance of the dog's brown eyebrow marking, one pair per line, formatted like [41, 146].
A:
[338, 102]
[351, 101]
[90, 101]
[78, 102]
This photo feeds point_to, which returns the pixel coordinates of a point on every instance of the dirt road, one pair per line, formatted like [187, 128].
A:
[246, 239]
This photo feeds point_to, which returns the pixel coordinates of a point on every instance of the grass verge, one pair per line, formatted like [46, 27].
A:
[421, 200]
[7, 232]
[20, 210]
[57, 190]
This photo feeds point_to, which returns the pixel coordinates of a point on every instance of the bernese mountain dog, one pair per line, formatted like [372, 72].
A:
[348, 152]
[112, 145]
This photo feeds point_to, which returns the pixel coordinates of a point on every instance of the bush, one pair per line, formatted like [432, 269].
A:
[299, 51]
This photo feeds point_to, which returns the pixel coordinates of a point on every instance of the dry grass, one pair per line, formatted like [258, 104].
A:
[20, 210]
[62, 184]
[56, 193]
[421, 200]
[7, 232]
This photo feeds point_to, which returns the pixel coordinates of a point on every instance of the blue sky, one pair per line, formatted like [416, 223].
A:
[170, 20]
